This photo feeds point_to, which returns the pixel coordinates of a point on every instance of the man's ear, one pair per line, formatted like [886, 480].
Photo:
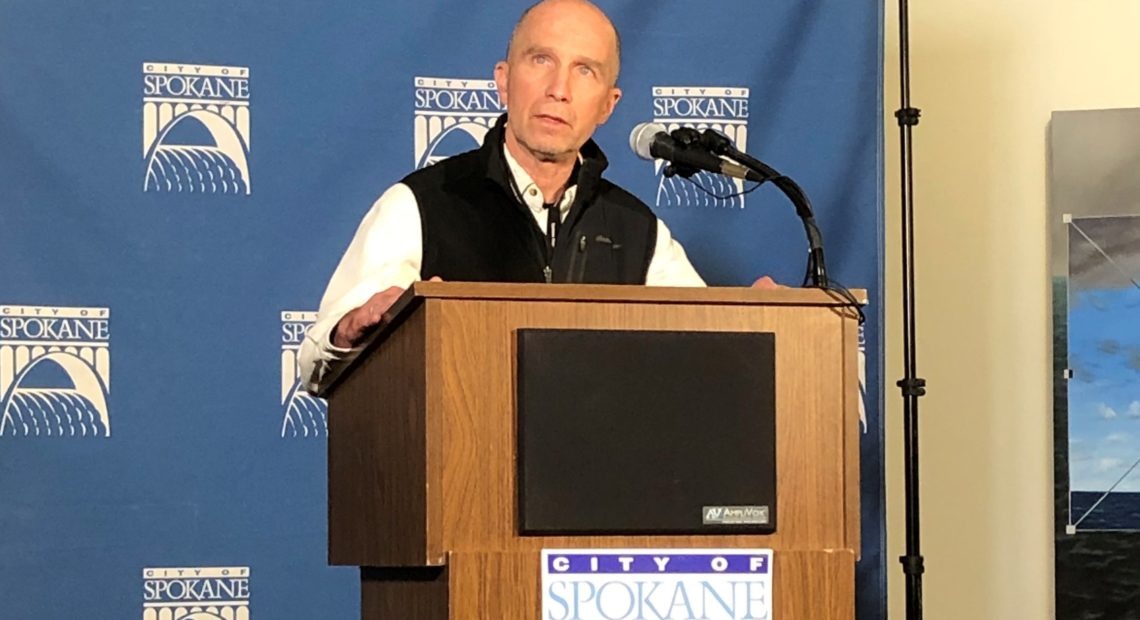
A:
[502, 75]
[611, 103]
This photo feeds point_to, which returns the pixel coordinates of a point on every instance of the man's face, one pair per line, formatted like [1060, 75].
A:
[558, 82]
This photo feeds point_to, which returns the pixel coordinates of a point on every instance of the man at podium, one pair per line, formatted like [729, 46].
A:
[530, 205]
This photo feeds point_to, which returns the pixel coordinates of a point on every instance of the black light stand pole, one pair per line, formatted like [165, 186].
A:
[911, 385]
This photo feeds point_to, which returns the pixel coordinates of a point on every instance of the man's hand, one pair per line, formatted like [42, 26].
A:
[766, 283]
[352, 327]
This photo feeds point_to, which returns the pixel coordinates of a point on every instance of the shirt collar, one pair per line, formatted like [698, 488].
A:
[531, 194]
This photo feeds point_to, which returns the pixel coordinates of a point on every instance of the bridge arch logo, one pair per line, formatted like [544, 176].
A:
[452, 115]
[55, 372]
[304, 415]
[196, 128]
[723, 108]
[196, 593]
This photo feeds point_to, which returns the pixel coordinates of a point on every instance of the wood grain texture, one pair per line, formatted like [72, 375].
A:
[404, 594]
[377, 467]
[852, 400]
[814, 585]
[627, 294]
[487, 585]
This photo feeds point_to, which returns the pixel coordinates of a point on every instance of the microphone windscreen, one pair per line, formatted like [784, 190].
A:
[642, 136]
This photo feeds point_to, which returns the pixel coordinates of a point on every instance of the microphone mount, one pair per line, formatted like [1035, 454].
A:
[686, 137]
[720, 145]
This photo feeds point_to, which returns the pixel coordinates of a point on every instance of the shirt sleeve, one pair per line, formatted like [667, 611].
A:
[386, 251]
[669, 265]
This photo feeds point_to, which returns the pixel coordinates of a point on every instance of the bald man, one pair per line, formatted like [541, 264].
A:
[530, 205]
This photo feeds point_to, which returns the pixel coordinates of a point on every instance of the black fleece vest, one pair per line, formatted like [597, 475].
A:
[476, 229]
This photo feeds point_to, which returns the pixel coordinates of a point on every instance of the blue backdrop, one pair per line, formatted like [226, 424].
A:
[177, 182]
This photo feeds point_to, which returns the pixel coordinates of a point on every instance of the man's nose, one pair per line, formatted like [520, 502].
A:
[558, 87]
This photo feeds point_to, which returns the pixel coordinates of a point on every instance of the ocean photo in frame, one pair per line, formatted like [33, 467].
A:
[1094, 236]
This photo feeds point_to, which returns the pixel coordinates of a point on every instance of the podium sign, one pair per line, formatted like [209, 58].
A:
[664, 584]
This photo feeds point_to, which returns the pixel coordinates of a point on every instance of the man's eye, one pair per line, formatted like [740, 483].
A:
[585, 70]
[541, 59]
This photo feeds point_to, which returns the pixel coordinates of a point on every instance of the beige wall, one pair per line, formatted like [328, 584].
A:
[987, 74]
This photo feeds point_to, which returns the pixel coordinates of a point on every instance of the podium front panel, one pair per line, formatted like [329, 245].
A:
[474, 386]
[646, 432]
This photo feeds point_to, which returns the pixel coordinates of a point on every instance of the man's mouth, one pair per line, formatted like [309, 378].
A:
[551, 119]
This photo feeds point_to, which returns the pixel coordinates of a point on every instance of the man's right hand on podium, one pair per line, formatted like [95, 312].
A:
[358, 322]
[352, 327]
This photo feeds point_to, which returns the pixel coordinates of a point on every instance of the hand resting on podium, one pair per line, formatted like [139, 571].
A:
[766, 283]
[358, 322]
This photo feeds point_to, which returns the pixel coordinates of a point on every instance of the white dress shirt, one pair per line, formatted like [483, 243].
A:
[387, 251]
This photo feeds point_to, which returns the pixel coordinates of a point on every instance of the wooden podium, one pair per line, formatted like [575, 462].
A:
[422, 445]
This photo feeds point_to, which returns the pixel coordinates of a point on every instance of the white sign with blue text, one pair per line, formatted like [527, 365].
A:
[656, 584]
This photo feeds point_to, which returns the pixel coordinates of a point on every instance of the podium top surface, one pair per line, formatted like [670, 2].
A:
[422, 291]
[734, 295]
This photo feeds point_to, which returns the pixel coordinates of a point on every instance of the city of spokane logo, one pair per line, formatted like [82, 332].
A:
[724, 109]
[304, 415]
[195, 128]
[55, 371]
[215, 593]
[452, 116]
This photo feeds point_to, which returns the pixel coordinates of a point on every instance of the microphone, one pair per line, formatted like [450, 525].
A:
[689, 150]
[651, 141]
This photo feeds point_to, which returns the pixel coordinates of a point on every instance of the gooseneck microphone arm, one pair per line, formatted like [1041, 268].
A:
[721, 145]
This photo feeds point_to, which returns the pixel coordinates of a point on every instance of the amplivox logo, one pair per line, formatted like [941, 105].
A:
[196, 128]
[203, 593]
[453, 115]
[732, 515]
[55, 371]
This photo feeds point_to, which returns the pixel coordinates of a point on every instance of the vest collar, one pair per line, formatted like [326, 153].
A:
[592, 162]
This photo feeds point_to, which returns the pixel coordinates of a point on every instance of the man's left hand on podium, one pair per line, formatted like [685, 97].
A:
[766, 283]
